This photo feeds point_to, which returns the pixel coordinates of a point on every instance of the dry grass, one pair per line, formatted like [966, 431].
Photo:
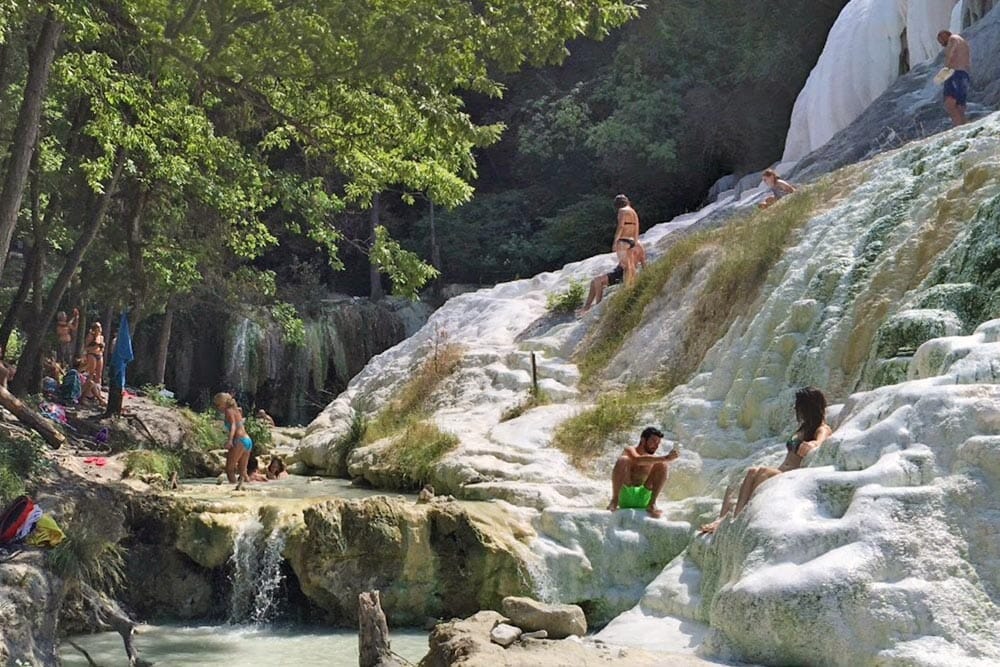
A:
[584, 436]
[746, 249]
[407, 407]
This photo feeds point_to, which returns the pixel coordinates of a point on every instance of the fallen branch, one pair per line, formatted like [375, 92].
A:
[111, 614]
[32, 419]
[90, 661]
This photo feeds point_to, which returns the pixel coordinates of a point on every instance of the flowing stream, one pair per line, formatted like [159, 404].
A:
[204, 646]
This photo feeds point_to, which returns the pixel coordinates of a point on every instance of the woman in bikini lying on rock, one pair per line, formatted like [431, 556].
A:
[810, 410]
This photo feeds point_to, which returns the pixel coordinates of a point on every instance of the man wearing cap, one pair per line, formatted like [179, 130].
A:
[639, 476]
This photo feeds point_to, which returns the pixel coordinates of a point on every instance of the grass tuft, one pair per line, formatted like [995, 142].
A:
[151, 462]
[22, 457]
[206, 429]
[152, 392]
[86, 557]
[583, 436]
[417, 449]
[533, 400]
[746, 248]
[567, 301]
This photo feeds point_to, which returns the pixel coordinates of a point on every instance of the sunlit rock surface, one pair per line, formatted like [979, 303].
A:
[884, 549]
[871, 43]
[912, 106]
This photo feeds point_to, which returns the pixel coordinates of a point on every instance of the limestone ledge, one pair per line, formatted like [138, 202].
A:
[428, 560]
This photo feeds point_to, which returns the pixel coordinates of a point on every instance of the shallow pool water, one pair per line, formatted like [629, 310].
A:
[292, 487]
[204, 646]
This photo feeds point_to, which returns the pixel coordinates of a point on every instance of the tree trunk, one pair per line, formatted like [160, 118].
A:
[81, 329]
[106, 321]
[14, 312]
[29, 417]
[373, 634]
[39, 233]
[133, 241]
[376, 278]
[163, 346]
[32, 351]
[435, 249]
[435, 257]
[27, 130]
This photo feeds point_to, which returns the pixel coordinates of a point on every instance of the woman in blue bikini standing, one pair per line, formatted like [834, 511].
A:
[238, 443]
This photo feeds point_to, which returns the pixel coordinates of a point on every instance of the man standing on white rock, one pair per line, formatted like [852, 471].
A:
[638, 476]
[957, 57]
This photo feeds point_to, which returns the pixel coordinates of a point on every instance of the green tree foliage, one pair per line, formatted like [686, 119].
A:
[181, 140]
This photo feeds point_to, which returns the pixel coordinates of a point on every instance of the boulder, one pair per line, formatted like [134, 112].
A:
[558, 620]
[467, 643]
[504, 634]
[30, 598]
[429, 560]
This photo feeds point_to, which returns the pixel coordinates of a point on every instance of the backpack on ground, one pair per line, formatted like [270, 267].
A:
[18, 520]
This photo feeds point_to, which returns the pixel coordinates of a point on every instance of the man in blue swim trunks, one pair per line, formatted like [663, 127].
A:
[957, 57]
[638, 476]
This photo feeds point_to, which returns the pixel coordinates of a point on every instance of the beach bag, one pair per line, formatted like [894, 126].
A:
[18, 520]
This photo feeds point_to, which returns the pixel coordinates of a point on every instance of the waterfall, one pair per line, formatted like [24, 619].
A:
[239, 354]
[256, 573]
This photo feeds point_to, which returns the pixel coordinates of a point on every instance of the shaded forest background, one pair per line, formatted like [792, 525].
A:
[686, 93]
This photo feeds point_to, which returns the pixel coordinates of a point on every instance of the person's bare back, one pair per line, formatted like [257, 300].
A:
[958, 56]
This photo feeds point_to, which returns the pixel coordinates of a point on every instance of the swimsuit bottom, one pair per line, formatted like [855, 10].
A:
[616, 275]
[634, 497]
[246, 442]
[630, 242]
[957, 87]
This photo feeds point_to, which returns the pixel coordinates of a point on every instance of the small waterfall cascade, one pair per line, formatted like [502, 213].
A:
[292, 380]
[256, 573]
[239, 352]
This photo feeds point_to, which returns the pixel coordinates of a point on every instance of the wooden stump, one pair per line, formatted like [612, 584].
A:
[373, 634]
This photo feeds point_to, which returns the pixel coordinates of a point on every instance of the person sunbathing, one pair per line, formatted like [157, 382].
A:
[810, 410]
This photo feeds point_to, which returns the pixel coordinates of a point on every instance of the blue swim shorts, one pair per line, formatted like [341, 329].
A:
[957, 87]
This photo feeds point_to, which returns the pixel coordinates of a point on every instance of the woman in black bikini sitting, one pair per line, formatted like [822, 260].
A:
[94, 347]
[626, 238]
[810, 410]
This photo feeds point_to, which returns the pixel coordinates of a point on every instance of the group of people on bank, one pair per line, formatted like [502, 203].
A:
[73, 379]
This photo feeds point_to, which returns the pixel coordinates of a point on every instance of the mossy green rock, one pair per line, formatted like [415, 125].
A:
[903, 333]
[207, 537]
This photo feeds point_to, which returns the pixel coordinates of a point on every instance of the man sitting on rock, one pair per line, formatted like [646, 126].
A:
[638, 476]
